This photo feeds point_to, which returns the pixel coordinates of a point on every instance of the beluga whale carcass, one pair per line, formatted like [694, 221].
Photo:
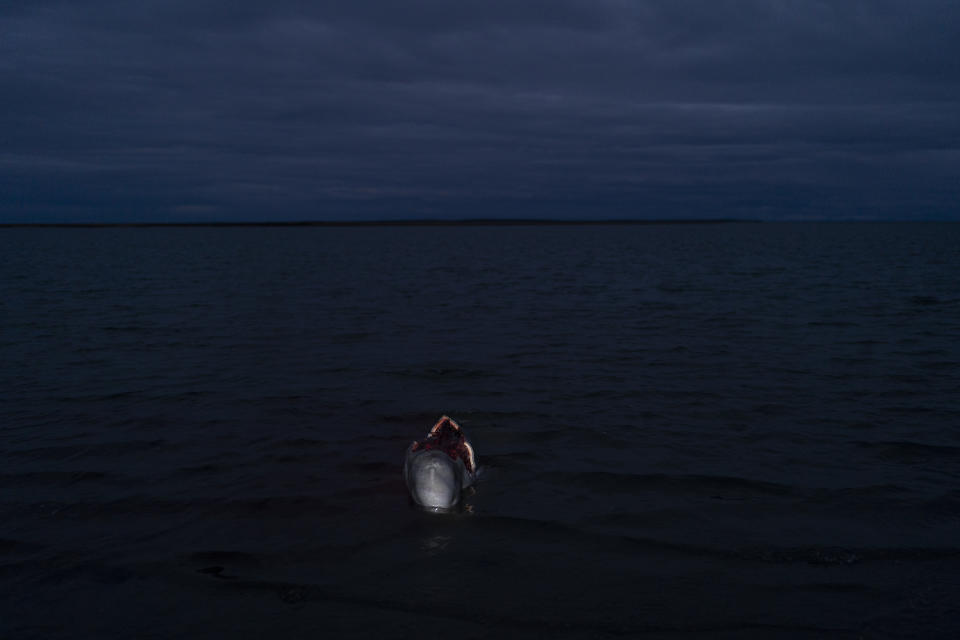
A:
[440, 466]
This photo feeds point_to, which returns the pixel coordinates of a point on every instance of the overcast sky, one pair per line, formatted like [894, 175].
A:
[190, 110]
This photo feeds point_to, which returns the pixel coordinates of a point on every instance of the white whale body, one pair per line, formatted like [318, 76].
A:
[439, 467]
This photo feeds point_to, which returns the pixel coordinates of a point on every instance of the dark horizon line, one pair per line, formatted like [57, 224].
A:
[410, 222]
[406, 222]
[424, 222]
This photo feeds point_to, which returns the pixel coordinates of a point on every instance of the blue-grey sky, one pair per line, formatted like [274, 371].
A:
[196, 110]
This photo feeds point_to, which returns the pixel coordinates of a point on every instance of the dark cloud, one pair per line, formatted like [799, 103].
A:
[601, 108]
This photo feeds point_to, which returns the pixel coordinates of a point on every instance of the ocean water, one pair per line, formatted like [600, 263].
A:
[724, 431]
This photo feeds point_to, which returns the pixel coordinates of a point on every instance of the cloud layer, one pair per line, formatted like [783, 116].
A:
[376, 109]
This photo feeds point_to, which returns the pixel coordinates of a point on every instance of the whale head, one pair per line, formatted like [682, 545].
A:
[440, 466]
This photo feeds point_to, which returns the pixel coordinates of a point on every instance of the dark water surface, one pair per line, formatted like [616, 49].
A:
[743, 430]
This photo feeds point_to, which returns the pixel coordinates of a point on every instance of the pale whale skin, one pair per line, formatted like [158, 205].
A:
[434, 480]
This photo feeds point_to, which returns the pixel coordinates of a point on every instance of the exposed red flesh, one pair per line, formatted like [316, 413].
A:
[446, 436]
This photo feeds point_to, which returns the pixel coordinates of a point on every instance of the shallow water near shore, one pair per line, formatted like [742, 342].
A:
[726, 431]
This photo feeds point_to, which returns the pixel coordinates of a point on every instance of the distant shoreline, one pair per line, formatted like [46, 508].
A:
[476, 222]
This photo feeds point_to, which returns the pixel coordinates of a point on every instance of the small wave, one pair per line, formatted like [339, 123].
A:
[354, 337]
[280, 506]
[233, 558]
[208, 468]
[699, 484]
[442, 373]
[9, 546]
[124, 329]
[97, 397]
[840, 324]
[19, 480]
[299, 443]
[909, 450]
[413, 417]
[370, 467]
[883, 491]
[826, 555]
[63, 453]
[930, 301]
[512, 459]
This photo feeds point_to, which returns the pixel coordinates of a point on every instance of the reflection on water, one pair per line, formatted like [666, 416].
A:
[435, 544]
